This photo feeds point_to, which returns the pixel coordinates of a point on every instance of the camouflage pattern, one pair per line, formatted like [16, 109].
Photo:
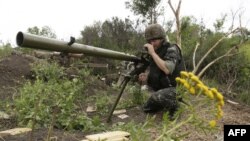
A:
[164, 99]
[154, 31]
[171, 58]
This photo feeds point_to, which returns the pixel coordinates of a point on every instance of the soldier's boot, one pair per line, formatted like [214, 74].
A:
[172, 111]
[152, 106]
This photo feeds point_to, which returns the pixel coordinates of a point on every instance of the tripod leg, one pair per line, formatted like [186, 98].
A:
[126, 80]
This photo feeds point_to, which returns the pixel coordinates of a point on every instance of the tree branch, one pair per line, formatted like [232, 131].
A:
[194, 54]
[178, 23]
[217, 59]
[211, 49]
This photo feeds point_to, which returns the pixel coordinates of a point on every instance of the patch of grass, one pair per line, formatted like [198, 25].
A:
[102, 102]
[245, 97]
[132, 97]
[5, 50]
[138, 132]
[138, 96]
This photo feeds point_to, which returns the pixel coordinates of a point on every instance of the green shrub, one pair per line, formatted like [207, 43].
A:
[42, 101]
[5, 50]
[138, 96]
[245, 97]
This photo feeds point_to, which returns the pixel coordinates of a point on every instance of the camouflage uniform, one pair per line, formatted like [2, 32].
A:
[164, 99]
[164, 95]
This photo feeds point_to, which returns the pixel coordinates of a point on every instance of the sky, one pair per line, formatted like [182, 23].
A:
[69, 17]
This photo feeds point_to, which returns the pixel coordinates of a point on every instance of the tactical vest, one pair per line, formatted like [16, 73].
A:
[157, 79]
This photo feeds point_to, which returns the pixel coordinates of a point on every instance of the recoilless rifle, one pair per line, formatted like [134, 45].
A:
[140, 62]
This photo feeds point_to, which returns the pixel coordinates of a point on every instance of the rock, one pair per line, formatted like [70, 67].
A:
[117, 112]
[123, 116]
[3, 115]
[91, 109]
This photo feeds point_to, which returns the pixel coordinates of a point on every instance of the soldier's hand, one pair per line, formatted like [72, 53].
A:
[143, 77]
[150, 48]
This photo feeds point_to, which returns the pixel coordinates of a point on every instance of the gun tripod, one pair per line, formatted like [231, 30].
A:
[124, 84]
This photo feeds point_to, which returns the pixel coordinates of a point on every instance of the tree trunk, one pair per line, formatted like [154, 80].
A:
[178, 22]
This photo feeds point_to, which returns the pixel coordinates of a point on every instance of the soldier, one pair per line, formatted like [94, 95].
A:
[165, 65]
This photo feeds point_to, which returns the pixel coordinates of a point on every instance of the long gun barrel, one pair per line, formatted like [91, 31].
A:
[38, 42]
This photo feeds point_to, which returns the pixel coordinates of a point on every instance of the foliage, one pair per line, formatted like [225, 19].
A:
[45, 31]
[90, 34]
[52, 95]
[101, 101]
[119, 31]
[138, 96]
[115, 34]
[5, 50]
[190, 34]
[244, 95]
[47, 71]
[138, 131]
[145, 8]
[218, 25]
[243, 75]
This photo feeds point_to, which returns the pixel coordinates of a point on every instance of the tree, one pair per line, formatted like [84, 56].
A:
[46, 31]
[115, 34]
[146, 8]
[91, 34]
[218, 25]
[118, 32]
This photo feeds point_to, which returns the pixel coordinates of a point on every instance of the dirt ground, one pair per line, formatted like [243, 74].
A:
[15, 68]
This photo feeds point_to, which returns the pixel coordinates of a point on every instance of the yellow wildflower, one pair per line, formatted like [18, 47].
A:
[177, 79]
[214, 90]
[219, 107]
[192, 90]
[212, 123]
[191, 74]
[220, 114]
[184, 74]
[205, 88]
[206, 91]
[195, 79]
[221, 103]
[210, 94]
[219, 96]
[199, 86]
[180, 80]
[186, 85]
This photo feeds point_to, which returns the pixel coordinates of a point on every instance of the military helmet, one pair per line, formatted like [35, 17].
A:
[154, 31]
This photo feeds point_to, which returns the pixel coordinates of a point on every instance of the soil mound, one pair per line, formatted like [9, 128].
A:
[13, 71]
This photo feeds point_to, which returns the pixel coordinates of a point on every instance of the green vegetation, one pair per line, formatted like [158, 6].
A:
[51, 99]
[244, 75]
[5, 50]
